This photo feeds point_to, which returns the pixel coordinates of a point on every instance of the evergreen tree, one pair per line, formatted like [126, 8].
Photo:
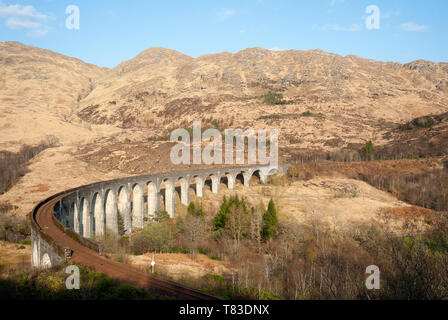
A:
[270, 221]
[222, 216]
[234, 203]
[369, 150]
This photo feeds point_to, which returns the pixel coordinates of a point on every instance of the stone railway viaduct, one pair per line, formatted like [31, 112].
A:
[85, 213]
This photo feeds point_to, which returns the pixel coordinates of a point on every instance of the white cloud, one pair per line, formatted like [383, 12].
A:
[339, 28]
[18, 17]
[413, 27]
[14, 23]
[226, 13]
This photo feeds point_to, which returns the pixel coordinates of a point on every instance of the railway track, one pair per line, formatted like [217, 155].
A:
[43, 216]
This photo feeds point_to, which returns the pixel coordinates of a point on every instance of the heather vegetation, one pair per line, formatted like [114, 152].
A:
[281, 116]
[50, 285]
[12, 228]
[274, 258]
[13, 166]
[422, 182]
[424, 137]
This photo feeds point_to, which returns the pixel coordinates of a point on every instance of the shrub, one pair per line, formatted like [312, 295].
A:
[160, 216]
[196, 210]
[274, 99]
[158, 237]
[214, 277]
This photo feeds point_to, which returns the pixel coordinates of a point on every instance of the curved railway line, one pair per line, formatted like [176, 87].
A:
[43, 217]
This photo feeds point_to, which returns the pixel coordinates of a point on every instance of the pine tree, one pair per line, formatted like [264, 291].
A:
[270, 221]
[369, 150]
[222, 216]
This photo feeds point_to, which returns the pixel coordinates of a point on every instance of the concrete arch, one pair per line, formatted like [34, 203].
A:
[35, 254]
[86, 218]
[45, 261]
[77, 225]
[99, 218]
[200, 184]
[208, 183]
[137, 206]
[223, 179]
[111, 212]
[170, 197]
[184, 190]
[239, 178]
[124, 209]
[231, 180]
[247, 176]
[259, 175]
[266, 172]
[216, 182]
[153, 199]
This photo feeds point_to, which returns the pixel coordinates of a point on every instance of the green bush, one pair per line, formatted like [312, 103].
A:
[227, 206]
[196, 210]
[274, 99]
[158, 237]
[160, 216]
[369, 149]
[214, 277]
[50, 285]
[307, 114]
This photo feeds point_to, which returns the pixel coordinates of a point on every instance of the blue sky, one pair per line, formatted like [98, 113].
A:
[112, 31]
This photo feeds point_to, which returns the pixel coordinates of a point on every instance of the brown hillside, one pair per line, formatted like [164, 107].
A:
[348, 99]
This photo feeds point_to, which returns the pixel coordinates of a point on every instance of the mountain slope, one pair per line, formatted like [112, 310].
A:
[330, 101]
[160, 86]
[39, 90]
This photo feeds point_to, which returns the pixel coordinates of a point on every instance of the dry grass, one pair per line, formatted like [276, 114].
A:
[420, 182]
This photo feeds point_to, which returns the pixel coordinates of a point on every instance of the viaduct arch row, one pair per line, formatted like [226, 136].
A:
[91, 210]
